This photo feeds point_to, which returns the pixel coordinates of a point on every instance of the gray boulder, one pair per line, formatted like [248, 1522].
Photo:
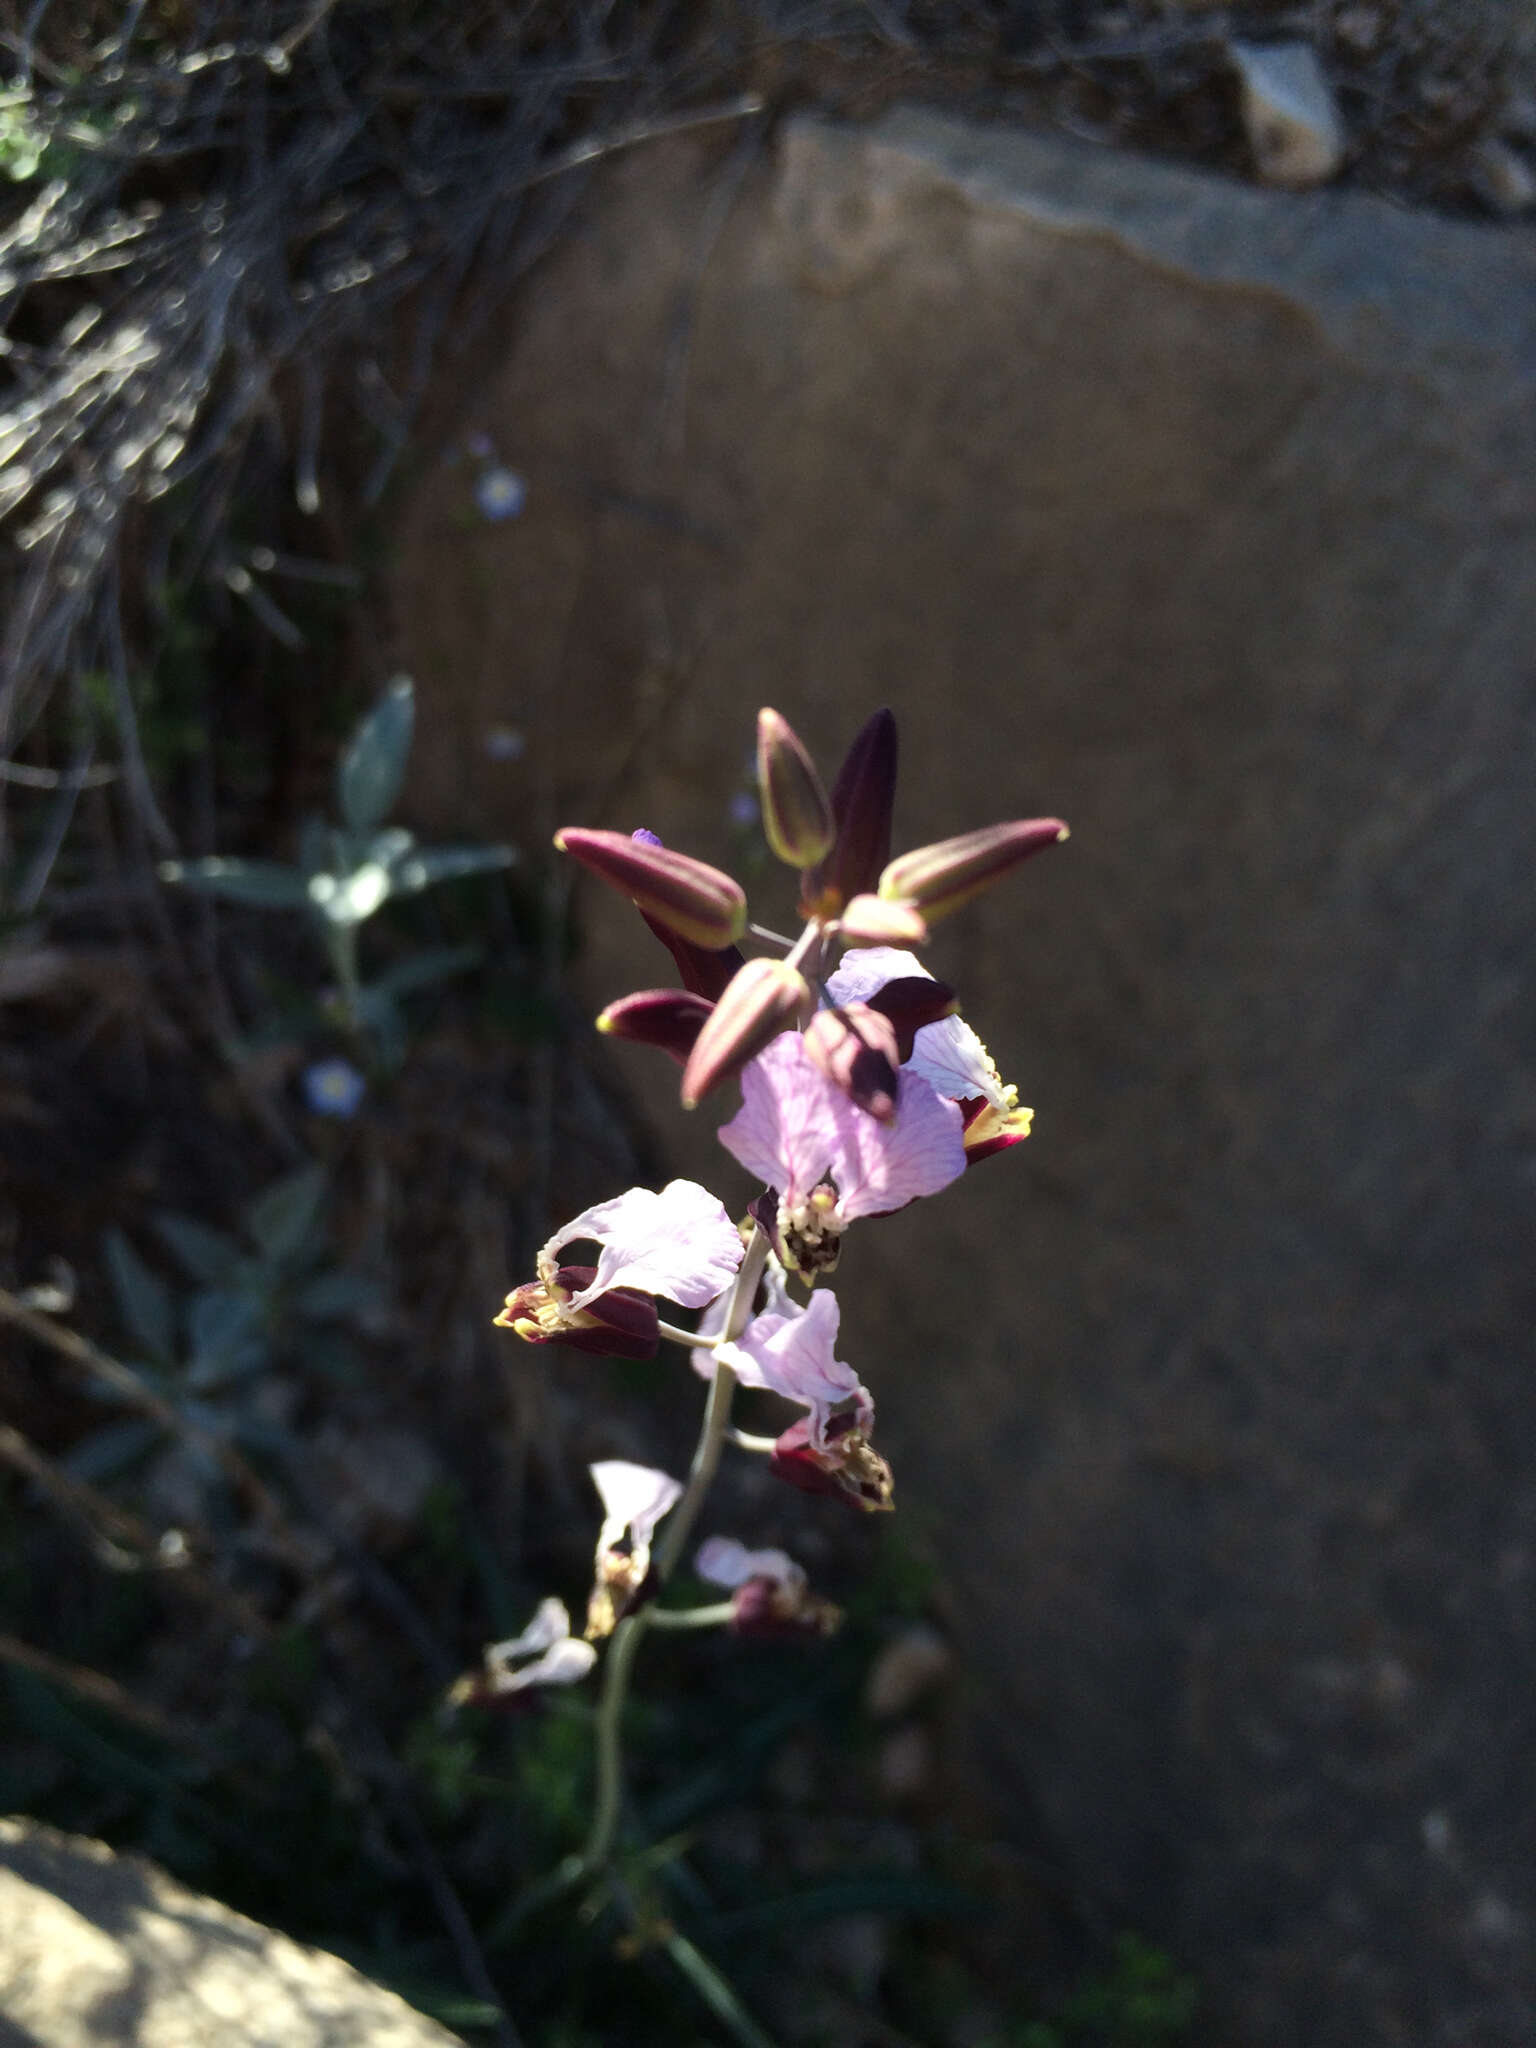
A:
[1205, 517]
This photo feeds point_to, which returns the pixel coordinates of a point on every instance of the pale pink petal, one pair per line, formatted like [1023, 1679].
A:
[563, 1663]
[562, 1659]
[712, 1322]
[794, 1354]
[679, 1244]
[635, 1497]
[725, 1562]
[880, 1167]
[947, 1054]
[786, 1128]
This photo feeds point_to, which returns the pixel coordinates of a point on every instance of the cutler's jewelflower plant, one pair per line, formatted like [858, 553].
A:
[862, 1090]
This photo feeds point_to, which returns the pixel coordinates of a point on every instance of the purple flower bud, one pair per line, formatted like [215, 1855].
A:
[863, 798]
[667, 1017]
[856, 1048]
[939, 878]
[797, 819]
[764, 998]
[697, 901]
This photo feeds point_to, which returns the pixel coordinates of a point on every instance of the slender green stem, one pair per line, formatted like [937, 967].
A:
[716, 1615]
[343, 948]
[627, 1637]
[716, 1992]
[744, 1440]
[674, 1335]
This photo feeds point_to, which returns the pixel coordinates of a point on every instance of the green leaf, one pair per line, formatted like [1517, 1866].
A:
[208, 1255]
[225, 1336]
[370, 772]
[266, 883]
[433, 864]
[875, 1891]
[283, 1217]
[147, 1305]
[382, 1015]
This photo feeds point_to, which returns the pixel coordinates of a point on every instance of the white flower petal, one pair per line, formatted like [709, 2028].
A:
[712, 1322]
[563, 1663]
[548, 1626]
[725, 1562]
[795, 1356]
[679, 1244]
[635, 1497]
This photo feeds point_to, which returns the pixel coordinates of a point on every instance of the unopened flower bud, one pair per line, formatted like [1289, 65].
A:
[619, 1324]
[697, 901]
[797, 817]
[666, 1017]
[939, 878]
[764, 999]
[863, 798]
[872, 921]
[910, 1002]
[856, 1048]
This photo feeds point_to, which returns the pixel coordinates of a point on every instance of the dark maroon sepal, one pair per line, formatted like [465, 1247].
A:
[910, 1002]
[702, 973]
[620, 1324]
[863, 800]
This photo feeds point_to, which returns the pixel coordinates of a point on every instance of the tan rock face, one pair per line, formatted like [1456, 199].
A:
[1204, 518]
[106, 1951]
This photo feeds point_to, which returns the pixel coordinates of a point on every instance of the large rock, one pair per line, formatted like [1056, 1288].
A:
[105, 1951]
[1207, 518]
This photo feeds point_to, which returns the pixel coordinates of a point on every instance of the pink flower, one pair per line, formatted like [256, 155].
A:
[679, 1244]
[792, 1355]
[770, 1596]
[828, 1159]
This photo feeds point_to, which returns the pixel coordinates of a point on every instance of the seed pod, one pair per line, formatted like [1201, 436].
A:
[763, 1000]
[856, 1049]
[863, 798]
[871, 921]
[668, 1017]
[939, 878]
[688, 896]
[796, 815]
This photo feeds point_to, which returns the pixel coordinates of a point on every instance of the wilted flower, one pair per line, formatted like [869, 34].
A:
[635, 1497]
[556, 1658]
[771, 1597]
[332, 1087]
[679, 1244]
[500, 492]
[829, 1160]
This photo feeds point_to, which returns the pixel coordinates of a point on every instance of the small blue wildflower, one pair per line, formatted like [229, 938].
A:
[333, 1087]
[500, 492]
[745, 809]
[478, 445]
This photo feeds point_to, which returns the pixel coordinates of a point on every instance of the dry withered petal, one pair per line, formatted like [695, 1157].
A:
[764, 998]
[940, 877]
[910, 1002]
[771, 1611]
[856, 1049]
[863, 799]
[698, 902]
[670, 1018]
[619, 1324]
[851, 1470]
[797, 819]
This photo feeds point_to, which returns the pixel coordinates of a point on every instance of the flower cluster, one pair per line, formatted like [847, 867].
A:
[862, 1090]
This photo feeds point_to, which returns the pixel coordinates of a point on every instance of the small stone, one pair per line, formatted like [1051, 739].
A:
[1505, 181]
[909, 1665]
[1358, 29]
[905, 1764]
[1290, 114]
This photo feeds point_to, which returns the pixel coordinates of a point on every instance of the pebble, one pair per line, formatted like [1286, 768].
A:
[911, 1664]
[1290, 114]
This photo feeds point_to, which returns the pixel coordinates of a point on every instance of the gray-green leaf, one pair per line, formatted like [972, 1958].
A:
[283, 1217]
[266, 883]
[147, 1306]
[208, 1255]
[370, 772]
[225, 1338]
[433, 864]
